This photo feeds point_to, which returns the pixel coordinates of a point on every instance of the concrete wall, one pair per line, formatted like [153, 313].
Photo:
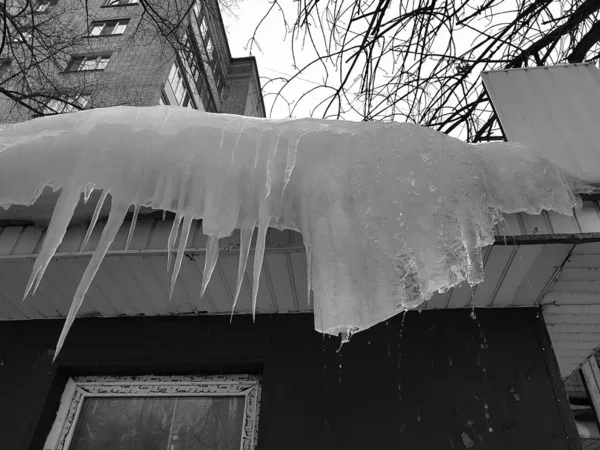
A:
[441, 381]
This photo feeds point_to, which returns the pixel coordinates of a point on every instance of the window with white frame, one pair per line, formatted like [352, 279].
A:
[108, 28]
[120, 2]
[67, 105]
[179, 87]
[92, 62]
[157, 412]
[43, 5]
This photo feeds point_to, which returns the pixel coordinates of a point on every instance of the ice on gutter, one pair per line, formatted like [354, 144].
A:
[389, 212]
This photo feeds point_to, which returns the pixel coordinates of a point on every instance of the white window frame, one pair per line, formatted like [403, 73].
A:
[94, 62]
[120, 2]
[80, 388]
[96, 28]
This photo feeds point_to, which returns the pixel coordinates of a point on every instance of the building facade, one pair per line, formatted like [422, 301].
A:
[140, 369]
[61, 56]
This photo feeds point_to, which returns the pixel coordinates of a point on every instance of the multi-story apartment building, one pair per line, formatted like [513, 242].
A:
[62, 55]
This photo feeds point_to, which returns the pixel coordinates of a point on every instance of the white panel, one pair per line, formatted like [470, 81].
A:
[153, 266]
[517, 273]
[496, 264]
[8, 239]
[191, 281]
[229, 265]
[132, 289]
[95, 299]
[588, 217]
[589, 248]
[541, 274]
[553, 109]
[280, 277]
[298, 263]
[266, 301]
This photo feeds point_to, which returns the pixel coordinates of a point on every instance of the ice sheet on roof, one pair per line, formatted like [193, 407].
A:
[389, 212]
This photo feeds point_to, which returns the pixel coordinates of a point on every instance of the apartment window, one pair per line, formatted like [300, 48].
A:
[43, 5]
[84, 63]
[67, 105]
[23, 35]
[120, 2]
[108, 28]
[180, 89]
[210, 49]
[203, 28]
[163, 100]
[197, 71]
[157, 412]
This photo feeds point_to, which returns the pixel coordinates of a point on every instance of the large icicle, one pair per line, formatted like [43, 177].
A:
[115, 219]
[390, 213]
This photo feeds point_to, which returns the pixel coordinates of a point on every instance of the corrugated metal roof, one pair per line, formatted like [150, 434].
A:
[134, 280]
[554, 109]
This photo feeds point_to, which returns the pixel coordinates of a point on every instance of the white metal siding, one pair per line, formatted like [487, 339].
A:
[554, 109]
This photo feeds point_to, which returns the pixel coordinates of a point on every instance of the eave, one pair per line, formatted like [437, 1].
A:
[547, 261]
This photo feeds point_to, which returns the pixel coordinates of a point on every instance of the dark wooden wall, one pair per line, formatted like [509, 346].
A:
[445, 382]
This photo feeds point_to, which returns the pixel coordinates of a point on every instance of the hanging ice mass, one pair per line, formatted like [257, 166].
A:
[389, 212]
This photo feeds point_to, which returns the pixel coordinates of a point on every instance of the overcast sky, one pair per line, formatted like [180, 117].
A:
[274, 56]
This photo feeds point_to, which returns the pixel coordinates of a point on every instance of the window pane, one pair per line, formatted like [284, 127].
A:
[159, 423]
[173, 74]
[83, 100]
[210, 49]
[121, 2]
[103, 62]
[108, 28]
[75, 64]
[120, 28]
[96, 29]
[88, 64]
[203, 28]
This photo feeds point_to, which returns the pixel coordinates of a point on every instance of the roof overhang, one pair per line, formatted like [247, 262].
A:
[549, 261]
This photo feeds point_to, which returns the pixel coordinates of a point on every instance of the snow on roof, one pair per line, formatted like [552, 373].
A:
[389, 212]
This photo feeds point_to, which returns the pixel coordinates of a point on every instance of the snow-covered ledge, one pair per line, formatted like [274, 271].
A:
[389, 213]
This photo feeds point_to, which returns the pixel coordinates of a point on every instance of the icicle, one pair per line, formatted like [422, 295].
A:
[291, 162]
[245, 241]
[63, 211]
[115, 219]
[136, 211]
[185, 232]
[259, 254]
[89, 188]
[212, 253]
[361, 194]
[88, 233]
[172, 238]
[270, 160]
[258, 144]
[237, 142]
[291, 157]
